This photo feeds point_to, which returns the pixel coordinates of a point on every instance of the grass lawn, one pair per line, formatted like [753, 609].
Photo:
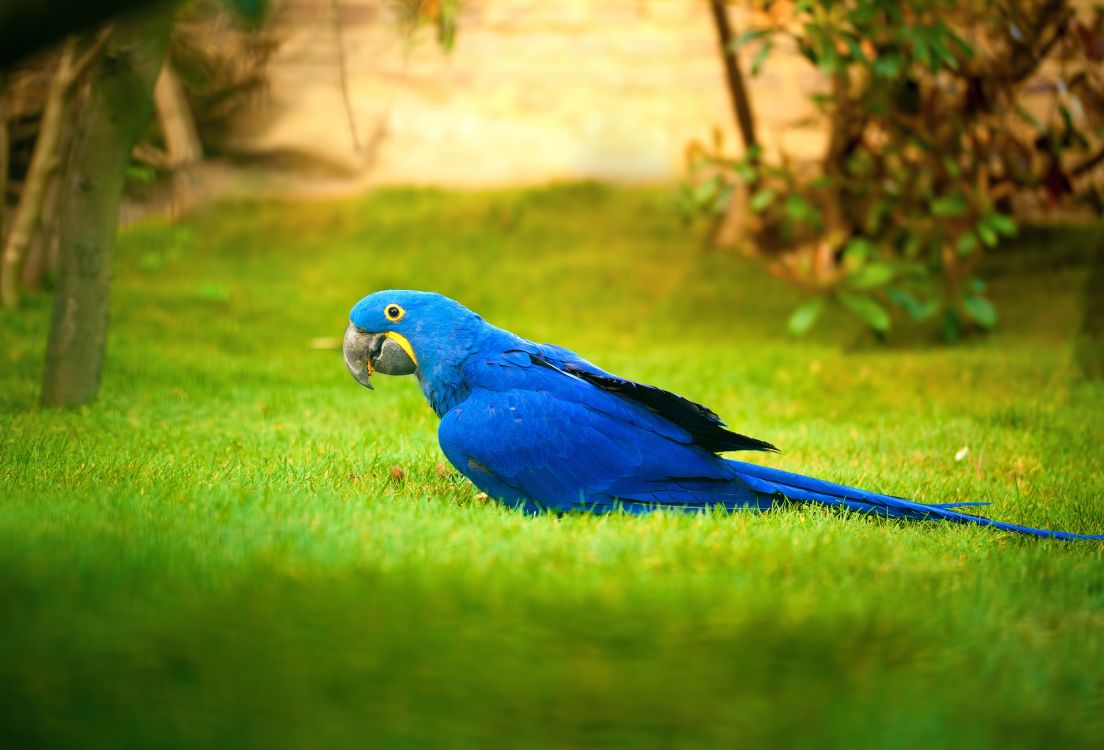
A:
[219, 554]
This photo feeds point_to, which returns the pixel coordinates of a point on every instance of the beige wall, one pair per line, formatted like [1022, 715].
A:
[535, 90]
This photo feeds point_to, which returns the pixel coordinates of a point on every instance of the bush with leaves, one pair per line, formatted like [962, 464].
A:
[931, 149]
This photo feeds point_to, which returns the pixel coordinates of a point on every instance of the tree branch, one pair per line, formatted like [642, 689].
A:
[44, 160]
[740, 103]
[90, 55]
[1088, 164]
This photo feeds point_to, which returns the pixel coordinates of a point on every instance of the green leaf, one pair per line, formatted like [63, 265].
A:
[887, 66]
[745, 38]
[797, 208]
[920, 51]
[912, 244]
[925, 309]
[859, 163]
[948, 206]
[761, 199]
[446, 32]
[867, 309]
[685, 202]
[721, 201]
[901, 297]
[761, 57]
[871, 275]
[856, 251]
[916, 309]
[941, 50]
[980, 310]
[967, 243]
[704, 193]
[988, 236]
[828, 61]
[963, 47]
[1029, 118]
[877, 216]
[745, 172]
[857, 55]
[805, 316]
[950, 327]
[253, 12]
[1002, 224]
[911, 269]
[142, 173]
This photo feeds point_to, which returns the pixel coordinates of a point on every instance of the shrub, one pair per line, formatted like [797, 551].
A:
[932, 149]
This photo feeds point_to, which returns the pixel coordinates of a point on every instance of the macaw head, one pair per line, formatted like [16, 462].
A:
[400, 332]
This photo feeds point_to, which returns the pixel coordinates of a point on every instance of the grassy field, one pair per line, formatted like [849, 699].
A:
[219, 554]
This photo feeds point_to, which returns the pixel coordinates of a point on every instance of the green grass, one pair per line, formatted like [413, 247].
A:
[216, 554]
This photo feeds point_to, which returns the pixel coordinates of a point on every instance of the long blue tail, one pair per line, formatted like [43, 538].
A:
[768, 482]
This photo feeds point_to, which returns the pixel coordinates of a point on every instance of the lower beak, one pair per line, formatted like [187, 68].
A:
[366, 353]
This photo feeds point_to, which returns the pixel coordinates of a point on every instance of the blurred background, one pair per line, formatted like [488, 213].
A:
[870, 154]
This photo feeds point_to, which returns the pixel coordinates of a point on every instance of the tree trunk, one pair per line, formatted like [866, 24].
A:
[119, 106]
[44, 160]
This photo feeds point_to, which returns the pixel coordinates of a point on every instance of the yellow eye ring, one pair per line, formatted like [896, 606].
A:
[394, 313]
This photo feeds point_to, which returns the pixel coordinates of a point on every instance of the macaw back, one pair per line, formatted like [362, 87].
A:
[535, 432]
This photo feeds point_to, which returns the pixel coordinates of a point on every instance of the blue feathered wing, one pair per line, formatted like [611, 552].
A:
[545, 430]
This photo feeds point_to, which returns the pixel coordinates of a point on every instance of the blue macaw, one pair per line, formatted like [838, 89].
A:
[539, 428]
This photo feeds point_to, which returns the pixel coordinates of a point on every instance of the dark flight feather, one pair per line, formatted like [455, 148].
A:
[703, 424]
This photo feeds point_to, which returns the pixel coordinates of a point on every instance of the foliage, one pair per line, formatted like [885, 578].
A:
[217, 554]
[442, 15]
[932, 147]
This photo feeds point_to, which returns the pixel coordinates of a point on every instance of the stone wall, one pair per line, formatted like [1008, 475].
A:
[534, 90]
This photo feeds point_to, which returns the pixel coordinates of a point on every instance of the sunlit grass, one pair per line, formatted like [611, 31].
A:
[220, 553]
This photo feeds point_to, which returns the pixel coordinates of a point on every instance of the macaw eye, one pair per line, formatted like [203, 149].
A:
[394, 313]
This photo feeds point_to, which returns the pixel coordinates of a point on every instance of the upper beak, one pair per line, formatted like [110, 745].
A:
[366, 353]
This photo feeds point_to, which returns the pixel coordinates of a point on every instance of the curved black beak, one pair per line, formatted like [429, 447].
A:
[366, 353]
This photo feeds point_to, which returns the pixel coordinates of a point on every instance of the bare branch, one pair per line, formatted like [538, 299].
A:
[740, 102]
[90, 55]
[1088, 164]
[44, 160]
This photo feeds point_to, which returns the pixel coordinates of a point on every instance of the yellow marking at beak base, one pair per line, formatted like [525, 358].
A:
[399, 339]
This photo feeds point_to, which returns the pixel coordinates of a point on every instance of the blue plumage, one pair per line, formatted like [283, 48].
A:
[540, 428]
